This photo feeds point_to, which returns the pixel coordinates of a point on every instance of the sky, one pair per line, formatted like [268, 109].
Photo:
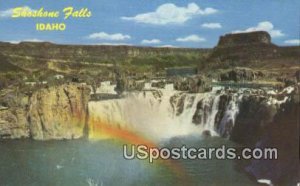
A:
[158, 23]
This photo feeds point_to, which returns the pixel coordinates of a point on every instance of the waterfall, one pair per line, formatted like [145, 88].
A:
[228, 120]
[164, 113]
[159, 113]
[148, 113]
[210, 126]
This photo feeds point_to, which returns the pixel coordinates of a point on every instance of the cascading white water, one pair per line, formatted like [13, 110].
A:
[148, 113]
[169, 86]
[230, 115]
[147, 86]
[106, 87]
[165, 113]
[159, 113]
[210, 126]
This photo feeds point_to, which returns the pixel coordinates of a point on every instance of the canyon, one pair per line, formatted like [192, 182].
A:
[246, 90]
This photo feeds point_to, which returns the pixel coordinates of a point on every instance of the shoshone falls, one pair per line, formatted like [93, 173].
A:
[154, 117]
[72, 130]
[162, 116]
[159, 114]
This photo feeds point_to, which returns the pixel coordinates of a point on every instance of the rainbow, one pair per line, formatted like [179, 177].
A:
[101, 130]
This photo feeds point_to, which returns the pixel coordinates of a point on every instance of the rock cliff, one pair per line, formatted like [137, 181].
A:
[250, 47]
[282, 133]
[51, 113]
[58, 112]
[194, 84]
[241, 74]
[13, 124]
[265, 127]
[255, 38]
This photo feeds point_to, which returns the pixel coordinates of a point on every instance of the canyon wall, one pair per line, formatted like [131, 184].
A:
[50, 113]
[90, 53]
[264, 125]
[13, 124]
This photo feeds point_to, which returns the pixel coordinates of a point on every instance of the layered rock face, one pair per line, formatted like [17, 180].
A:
[245, 46]
[51, 113]
[260, 125]
[241, 74]
[194, 84]
[255, 114]
[283, 133]
[58, 113]
[96, 53]
[260, 37]
[13, 124]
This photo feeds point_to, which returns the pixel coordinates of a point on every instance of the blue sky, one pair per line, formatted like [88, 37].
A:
[184, 23]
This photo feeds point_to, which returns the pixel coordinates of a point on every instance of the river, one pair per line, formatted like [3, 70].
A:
[84, 162]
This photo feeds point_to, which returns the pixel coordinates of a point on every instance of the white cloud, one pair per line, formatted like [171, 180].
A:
[170, 14]
[26, 40]
[167, 46]
[114, 44]
[8, 13]
[263, 26]
[106, 36]
[152, 41]
[293, 42]
[211, 25]
[191, 38]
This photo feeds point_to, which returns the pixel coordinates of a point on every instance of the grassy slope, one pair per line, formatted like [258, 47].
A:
[6, 66]
[94, 59]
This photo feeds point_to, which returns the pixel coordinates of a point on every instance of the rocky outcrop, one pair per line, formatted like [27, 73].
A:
[132, 85]
[195, 84]
[159, 84]
[282, 133]
[241, 74]
[58, 112]
[238, 39]
[268, 121]
[13, 124]
[222, 107]
[203, 109]
[255, 113]
[244, 47]
[297, 75]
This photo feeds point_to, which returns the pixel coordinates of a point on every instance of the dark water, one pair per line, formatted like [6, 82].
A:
[101, 163]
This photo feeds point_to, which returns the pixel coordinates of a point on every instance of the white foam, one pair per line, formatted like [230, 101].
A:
[169, 86]
[265, 181]
[106, 87]
[152, 114]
